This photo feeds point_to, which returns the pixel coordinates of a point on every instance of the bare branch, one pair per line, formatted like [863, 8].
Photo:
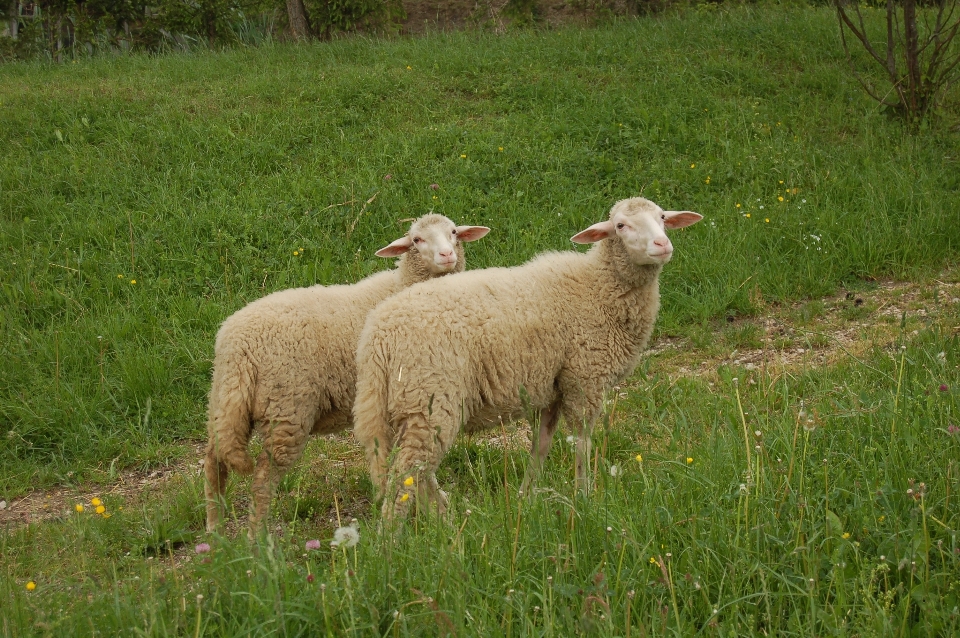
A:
[860, 34]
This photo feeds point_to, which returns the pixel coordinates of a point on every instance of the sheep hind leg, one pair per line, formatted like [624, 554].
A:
[214, 486]
[411, 478]
[542, 441]
[272, 464]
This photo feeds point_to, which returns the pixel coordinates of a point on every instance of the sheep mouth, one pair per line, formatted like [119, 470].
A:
[663, 255]
[447, 265]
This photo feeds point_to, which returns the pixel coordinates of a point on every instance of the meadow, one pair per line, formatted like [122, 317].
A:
[143, 199]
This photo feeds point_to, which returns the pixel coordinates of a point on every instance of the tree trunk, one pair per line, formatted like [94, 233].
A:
[14, 7]
[299, 22]
[912, 56]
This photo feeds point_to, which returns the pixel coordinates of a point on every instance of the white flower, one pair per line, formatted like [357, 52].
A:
[346, 536]
[572, 440]
[614, 471]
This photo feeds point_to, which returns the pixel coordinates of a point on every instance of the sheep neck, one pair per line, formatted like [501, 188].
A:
[630, 292]
[625, 275]
[413, 269]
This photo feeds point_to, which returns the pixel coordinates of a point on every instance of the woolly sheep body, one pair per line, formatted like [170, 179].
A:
[284, 366]
[452, 355]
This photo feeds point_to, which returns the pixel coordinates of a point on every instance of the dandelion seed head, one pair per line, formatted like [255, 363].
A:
[346, 536]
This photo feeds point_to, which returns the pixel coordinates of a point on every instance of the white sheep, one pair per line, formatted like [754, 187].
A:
[460, 353]
[285, 363]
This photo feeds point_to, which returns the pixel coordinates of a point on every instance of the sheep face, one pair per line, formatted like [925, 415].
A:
[640, 224]
[434, 238]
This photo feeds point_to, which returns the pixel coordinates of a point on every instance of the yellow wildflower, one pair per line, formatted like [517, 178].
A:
[101, 509]
[846, 535]
[748, 215]
[295, 253]
[689, 460]
[766, 219]
[404, 498]
[408, 481]
[95, 502]
[693, 166]
[738, 205]
[639, 458]
[500, 148]
[409, 68]
[462, 156]
[653, 561]
[133, 281]
[78, 507]
[780, 199]
[119, 276]
[31, 586]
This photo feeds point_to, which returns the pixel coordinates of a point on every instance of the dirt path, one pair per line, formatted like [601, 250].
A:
[781, 338]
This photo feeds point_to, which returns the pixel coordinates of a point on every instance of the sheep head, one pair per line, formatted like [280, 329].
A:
[641, 225]
[435, 238]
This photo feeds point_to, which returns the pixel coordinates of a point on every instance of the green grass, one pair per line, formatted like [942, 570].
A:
[198, 176]
[821, 502]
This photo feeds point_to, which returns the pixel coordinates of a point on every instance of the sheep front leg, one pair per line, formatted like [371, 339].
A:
[583, 419]
[215, 474]
[540, 447]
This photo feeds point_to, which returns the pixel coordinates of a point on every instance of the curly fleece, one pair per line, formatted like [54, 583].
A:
[285, 365]
[452, 355]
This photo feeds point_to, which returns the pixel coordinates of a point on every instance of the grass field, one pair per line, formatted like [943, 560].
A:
[144, 199]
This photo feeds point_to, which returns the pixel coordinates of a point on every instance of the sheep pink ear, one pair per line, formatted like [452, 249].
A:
[395, 249]
[471, 233]
[680, 219]
[595, 233]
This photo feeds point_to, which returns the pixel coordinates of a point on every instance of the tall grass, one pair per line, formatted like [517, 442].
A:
[760, 503]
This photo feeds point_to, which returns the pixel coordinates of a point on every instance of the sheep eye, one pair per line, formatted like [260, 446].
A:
[663, 216]
[620, 226]
[417, 240]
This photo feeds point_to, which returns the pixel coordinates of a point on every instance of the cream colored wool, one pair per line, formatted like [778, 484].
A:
[284, 364]
[452, 355]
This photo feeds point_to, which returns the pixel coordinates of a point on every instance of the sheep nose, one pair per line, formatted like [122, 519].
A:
[663, 242]
[446, 253]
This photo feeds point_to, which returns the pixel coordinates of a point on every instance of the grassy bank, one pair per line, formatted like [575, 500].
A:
[200, 177]
[145, 199]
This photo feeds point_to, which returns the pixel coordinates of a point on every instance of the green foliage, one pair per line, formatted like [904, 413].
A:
[336, 16]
